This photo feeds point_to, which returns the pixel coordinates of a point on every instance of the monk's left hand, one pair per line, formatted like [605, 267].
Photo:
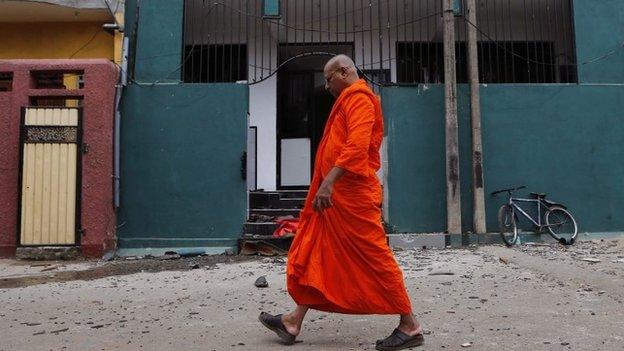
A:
[322, 200]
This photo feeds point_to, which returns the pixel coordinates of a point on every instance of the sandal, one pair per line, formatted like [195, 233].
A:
[398, 340]
[275, 324]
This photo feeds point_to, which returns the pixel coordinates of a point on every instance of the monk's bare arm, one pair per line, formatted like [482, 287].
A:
[333, 175]
[322, 200]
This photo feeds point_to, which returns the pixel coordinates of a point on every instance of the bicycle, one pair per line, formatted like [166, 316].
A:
[557, 219]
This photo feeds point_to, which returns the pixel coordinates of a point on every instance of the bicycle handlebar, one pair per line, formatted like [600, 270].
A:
[508, 190]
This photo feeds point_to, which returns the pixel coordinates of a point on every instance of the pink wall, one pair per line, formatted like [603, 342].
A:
[97, 212]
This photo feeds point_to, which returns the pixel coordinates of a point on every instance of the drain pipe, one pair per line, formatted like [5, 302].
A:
[123, 81]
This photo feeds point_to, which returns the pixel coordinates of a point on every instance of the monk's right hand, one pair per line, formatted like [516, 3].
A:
[322, 200]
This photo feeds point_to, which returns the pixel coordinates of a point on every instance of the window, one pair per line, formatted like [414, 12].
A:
[497, 65]
[420, 62]
[58, 80]
[6, 81]
[531, 62]
[215, 63]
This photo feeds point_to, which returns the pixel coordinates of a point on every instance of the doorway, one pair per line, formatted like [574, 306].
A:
[303, 106]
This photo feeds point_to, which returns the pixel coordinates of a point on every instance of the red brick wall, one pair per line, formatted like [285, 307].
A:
[97, 212]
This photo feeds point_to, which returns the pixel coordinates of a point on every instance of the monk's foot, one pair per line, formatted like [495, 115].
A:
[410, 330]
[409, 325]
[399, 340]
[291, 325]
[276, 324]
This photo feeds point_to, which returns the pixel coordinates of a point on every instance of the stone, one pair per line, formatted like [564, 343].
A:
[261, 282]
[442, 273]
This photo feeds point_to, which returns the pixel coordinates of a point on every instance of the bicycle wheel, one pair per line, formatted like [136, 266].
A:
[507, 225]
[561, 225]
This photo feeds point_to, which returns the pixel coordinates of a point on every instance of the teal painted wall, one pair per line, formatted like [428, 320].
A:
[559, 139]
[181, 144]
[415, 147]
[181, 183]
[600, 29]
[415, 136]
[554, 138]
[159, 40]
[564, 140]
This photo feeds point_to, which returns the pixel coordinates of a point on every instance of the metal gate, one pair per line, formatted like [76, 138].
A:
[397, 42]
[49, 176]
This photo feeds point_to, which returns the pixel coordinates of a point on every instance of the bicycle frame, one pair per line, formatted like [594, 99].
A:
[540, 204]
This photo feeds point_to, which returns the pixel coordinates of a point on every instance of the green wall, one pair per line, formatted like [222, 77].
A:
[415, 146]
[181, 144]
[181, 182]
[564, 140]
[600, 29]
[156, 54]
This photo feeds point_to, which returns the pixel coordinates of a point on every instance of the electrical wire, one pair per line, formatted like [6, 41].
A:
[87, 43]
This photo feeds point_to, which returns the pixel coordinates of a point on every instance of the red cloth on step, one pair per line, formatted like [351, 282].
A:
[286, 226]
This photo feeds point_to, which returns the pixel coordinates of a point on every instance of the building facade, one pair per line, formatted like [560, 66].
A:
[213, 82]
[57, 104]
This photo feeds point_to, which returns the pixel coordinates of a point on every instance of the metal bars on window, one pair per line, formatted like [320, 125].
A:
[396, 41]
[523, 41]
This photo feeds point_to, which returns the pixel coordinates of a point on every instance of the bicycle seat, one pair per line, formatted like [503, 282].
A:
[538, 195]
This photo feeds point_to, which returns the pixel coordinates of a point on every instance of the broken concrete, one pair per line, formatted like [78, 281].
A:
[47, 253]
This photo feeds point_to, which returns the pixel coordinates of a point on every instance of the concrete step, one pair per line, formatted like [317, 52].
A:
[260, 228]
[276, 200]
[273, 212]
[298, 194]
[263, 199]
[294, 202]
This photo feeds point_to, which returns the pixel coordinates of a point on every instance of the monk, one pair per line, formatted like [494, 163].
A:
[339, 260]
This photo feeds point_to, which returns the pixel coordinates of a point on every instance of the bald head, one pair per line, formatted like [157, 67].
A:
[340, 73]
[339, 61]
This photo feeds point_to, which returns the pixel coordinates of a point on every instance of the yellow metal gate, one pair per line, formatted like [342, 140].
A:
[49, 183]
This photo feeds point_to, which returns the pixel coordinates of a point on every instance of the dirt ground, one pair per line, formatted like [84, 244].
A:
[531, 297]
[14, 274]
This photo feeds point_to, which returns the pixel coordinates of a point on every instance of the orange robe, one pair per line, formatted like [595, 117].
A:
[339, 260]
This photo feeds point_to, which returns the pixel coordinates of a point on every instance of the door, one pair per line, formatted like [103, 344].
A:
[49, 173]
[303, 106]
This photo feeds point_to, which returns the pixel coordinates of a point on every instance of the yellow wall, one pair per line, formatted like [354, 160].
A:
[55, 41]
